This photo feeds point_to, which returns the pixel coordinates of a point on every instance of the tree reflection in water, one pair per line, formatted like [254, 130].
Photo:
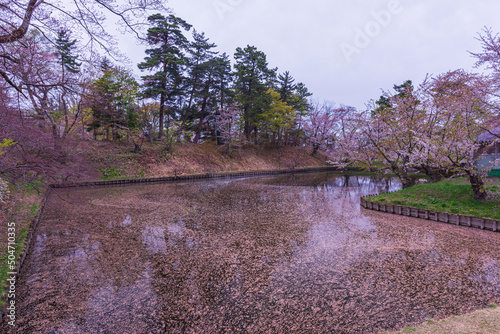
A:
[291, 253]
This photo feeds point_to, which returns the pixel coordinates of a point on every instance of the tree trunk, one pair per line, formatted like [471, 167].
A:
[162, 111]
[137, 148]
[55, 136]
[256, 138]
[406, 182]
[315, 149]
[202, 117]
[477, 184]
[435, 174]
[246, 130]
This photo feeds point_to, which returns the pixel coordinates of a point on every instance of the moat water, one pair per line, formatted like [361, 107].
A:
[286, 254]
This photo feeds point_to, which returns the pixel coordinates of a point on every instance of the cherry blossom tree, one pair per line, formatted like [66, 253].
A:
[432, 128]
[490, 59]
[31, 151]
[85, 18]
[323, 124]
[229, 123]
[460, 109]
[49, 91]
[34, 90]
[353, 147]
[392, 129]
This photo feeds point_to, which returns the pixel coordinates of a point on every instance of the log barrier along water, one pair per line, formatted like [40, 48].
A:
[195, 177]
[444, 217]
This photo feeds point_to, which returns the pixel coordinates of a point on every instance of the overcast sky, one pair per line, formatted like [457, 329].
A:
[346, 51]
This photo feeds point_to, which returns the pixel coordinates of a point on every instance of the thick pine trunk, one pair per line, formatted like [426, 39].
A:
[162, 112]
[256, 138]
[246, 130]
[202, 117]
[162, 101]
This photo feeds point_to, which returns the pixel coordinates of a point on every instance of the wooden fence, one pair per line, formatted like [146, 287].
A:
[449, 218]
[193, 177]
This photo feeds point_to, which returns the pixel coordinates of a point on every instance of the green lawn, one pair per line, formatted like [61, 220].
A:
[452, 196]
[23, 213]
[482, 321]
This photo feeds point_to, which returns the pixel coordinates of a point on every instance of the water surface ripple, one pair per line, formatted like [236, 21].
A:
[288, 254]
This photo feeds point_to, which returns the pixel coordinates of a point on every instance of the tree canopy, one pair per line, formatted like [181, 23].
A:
[191, 92]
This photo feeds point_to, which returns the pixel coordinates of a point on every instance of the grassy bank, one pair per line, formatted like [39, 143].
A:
[21, 209]
[116, 160]
[452, 196]
[483, 321]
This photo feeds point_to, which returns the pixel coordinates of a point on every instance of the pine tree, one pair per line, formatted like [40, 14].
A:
[65, 52]
[302, 94]
[113, 100]
[294, 95]
[200, 79]
[253, 79]
[167, 57]
[286, 86]
[200, 54]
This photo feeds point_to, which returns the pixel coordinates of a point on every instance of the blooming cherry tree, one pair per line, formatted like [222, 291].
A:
[323, 125]
[229, 123]
[460, 108]
[392, 130]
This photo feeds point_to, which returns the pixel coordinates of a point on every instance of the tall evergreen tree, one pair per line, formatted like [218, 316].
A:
[286, 86]
[166, 57]
[223, 79]
[113, 100]
[70, 81]
[200, 54]
[302, 94]
[65, 52]
[402, 91]
[253, 79]
[295, 95]
[200, 79]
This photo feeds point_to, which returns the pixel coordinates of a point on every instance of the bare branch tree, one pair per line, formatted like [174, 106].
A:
[84, 18]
